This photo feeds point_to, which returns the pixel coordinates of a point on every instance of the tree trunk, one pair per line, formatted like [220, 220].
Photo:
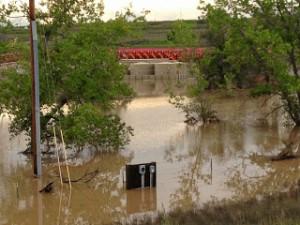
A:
[291, 150]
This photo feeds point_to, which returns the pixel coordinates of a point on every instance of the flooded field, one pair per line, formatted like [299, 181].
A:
[196, 165]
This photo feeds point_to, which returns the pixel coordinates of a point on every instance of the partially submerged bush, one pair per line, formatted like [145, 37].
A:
[197, 110]
[88, 126]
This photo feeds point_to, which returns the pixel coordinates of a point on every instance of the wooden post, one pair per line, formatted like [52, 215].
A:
[66, 158]
[35, 98]
[57, 155]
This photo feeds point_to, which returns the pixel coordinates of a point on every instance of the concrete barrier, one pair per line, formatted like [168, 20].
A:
[140, 69]
[171, 70]
[156, 69]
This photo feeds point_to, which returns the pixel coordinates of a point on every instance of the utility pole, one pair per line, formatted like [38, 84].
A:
[35, 94]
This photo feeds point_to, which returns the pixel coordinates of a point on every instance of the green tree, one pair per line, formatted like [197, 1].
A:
[213, 66]
[5, 12]
[182, 34]
[262, 37]
[81, 79]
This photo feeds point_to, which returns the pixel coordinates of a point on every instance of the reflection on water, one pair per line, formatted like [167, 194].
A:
[152, 87]
[195, 165]
[141, 201]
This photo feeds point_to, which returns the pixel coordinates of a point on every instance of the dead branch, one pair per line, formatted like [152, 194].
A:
[87, 177]
[268, 98]
[286, 153]
[48, 188]
[274, 110]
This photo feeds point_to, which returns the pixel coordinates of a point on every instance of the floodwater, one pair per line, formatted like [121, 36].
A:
[196, 165]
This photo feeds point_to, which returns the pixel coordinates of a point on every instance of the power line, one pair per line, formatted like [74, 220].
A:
[16, 17]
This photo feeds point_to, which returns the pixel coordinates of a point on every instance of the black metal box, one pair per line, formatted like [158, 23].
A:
[141, 175]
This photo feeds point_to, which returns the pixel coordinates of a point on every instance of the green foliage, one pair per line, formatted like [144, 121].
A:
[182, 34]
[15, 97]
[85, 67]
[258, 38]
[213, 67]
[3, 47]
[201, 82]
[14, 47]
[229, 83]
[5, 11]
[57, 16]
[217, 29]
[264, 89]
[81, 79]
[88, 125]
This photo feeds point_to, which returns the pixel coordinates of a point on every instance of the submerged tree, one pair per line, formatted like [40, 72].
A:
[80, 76]
[198, 109]
[261, 37]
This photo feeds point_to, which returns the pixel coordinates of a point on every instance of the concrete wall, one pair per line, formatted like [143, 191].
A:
[171, 70]
[139, 69]
[157, 70]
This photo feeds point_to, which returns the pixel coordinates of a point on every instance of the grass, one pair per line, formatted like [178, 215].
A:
[281, 209]
[154, 34]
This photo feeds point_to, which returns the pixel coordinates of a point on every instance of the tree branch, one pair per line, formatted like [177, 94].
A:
[274, 110]
[293, 61]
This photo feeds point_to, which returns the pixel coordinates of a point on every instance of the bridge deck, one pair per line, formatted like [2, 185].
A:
[159, 53]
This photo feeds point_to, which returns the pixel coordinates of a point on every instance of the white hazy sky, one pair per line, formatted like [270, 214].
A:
[160, 9]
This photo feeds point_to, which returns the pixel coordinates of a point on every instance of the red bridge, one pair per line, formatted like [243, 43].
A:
[159, 53]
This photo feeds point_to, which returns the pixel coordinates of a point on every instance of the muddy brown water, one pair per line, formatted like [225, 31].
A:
[196, 165]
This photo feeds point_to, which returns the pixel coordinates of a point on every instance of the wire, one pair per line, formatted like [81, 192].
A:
[16, 17]
[66, 157]
[57, 155]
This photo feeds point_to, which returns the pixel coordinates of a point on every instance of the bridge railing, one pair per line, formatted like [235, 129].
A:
[159, 53]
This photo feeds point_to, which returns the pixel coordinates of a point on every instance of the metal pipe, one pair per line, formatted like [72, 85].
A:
[35, 97]
[142, 171]
[57, 156]
[66, 158]
[211, 170]
[151, 180]
[143, 181]
[152, 171]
